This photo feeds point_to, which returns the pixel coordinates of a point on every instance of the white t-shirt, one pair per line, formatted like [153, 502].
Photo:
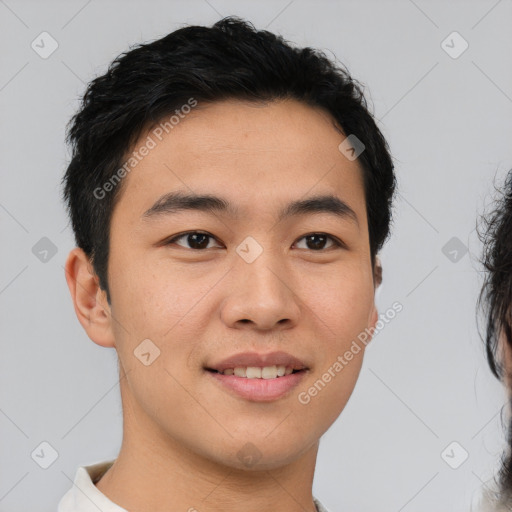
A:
[84, 496]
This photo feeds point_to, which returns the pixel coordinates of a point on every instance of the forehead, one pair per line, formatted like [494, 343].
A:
[256, 152]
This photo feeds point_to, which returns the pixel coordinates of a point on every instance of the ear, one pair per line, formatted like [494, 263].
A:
[373, 318]
[90, 301]
[377, 272]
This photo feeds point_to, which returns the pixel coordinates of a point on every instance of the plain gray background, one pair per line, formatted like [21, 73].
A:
[425, 381]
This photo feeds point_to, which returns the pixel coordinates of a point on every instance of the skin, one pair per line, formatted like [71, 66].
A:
[182, 432]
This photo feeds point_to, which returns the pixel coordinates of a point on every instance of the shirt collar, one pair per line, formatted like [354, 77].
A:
[84, 496]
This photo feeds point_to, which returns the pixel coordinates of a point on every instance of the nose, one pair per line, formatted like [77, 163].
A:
[260, 295]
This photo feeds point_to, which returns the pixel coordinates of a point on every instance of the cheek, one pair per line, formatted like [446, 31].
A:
[342, 308]
[144, 297]
[342, 303]
[164, 305]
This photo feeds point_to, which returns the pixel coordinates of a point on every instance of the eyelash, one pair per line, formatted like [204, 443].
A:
[336, 242]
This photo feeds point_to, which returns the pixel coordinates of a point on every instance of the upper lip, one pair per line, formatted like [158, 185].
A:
[254, 359]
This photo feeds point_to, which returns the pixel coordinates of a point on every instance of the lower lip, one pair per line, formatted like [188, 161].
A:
[259, 390]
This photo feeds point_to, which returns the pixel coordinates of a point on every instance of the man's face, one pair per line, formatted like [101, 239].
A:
[254, 284]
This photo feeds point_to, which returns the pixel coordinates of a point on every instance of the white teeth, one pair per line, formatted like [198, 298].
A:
[240, 372]
[255, 372]
[269, 372]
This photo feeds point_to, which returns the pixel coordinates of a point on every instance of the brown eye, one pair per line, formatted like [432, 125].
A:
[317, 241]
[196, 240]
[199, 241]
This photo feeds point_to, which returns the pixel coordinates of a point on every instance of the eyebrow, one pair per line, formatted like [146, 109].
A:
[175, 202]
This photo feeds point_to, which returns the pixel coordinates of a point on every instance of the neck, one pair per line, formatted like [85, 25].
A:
[154, 471]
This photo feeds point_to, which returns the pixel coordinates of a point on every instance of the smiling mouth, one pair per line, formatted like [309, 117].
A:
[258, 384]
[255, 372]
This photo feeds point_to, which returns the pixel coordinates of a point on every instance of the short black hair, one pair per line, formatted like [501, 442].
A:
[230, 60]
[495, 301]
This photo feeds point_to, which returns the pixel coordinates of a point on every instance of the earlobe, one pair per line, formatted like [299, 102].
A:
[377, 280]
[377, 273]
[89, 300]
[373, 318]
